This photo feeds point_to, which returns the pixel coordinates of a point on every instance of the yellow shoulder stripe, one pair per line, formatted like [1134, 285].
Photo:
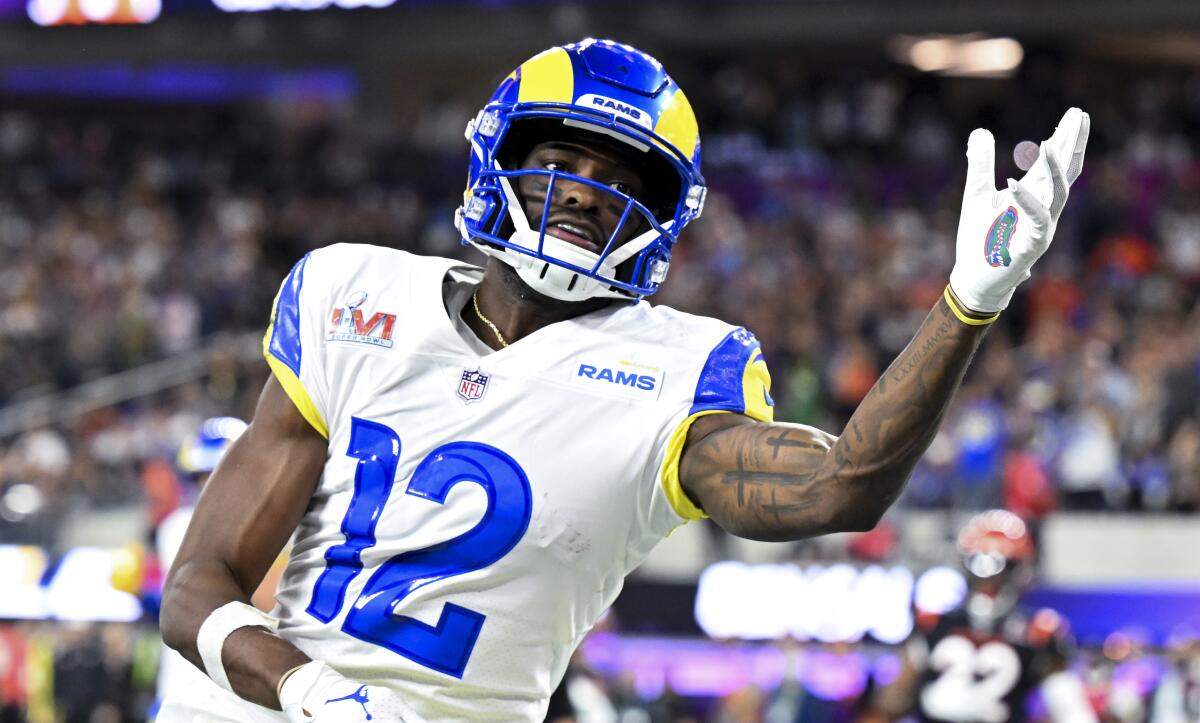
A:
[298, 394]
[289, 381]
[672, 488]
[756, 389]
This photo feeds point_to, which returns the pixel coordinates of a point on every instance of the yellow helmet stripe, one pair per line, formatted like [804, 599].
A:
[677, 125]
[547, 78]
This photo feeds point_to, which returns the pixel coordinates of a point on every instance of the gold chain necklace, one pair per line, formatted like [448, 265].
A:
[484, 319]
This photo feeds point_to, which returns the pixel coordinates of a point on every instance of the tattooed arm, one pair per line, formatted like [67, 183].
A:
[781, 482]
[787, 481]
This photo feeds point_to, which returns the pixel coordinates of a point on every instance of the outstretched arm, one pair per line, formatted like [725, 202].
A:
[784, 481]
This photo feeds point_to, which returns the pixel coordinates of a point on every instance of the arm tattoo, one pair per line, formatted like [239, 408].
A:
[779, 481]
[762, 474]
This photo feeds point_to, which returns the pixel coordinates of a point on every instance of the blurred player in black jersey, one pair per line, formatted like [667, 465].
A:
[982, 662]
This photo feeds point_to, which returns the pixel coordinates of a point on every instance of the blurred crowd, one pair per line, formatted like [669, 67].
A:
[846, 194]
[135, 233]
[105, 673]
[140, 232]
[1125, 682]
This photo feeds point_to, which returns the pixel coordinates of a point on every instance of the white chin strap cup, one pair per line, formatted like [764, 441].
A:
[547, 277]
[218, 626]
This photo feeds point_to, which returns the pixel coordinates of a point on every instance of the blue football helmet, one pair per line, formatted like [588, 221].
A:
[200, 453]
[597, 86]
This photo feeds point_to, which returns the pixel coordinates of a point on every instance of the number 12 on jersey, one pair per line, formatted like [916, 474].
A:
[447, 645]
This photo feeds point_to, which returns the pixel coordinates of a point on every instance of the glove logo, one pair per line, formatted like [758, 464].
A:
[995, 246]
[359, 696]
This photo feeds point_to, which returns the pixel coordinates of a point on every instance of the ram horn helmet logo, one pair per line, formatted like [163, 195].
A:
[995, 246]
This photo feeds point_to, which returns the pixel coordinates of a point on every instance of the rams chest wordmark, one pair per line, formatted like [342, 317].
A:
[644, 382]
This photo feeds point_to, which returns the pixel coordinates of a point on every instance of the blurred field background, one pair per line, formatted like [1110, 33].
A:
[164, 162]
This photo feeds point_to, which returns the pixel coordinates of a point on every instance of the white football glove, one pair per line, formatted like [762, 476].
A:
[1002, 233]
[316, 693]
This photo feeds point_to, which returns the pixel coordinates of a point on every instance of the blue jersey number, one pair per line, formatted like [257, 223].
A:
[446, 646]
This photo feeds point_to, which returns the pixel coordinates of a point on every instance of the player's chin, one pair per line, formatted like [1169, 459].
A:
[520, 290]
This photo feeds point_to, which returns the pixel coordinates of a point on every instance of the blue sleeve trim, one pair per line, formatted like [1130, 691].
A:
[720, 386]
[285, 322]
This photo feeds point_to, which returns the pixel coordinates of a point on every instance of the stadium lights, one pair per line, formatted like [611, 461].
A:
[959, 55]
[835, 603]
[78, 587]
[251, 6]
[83, 12]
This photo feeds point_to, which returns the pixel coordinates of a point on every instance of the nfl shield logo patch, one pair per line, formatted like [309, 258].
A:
[472, 385]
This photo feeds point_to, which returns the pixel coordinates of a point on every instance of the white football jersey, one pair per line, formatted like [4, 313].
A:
[480, 509]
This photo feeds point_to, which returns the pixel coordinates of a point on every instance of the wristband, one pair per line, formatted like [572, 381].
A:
[219, 624]
[965, 315]
[295, 686]
[299, 683]
[283, 679]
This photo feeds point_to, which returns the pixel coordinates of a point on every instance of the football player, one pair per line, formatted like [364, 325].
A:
[473, 459]
[198, 456]
[982, 662]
